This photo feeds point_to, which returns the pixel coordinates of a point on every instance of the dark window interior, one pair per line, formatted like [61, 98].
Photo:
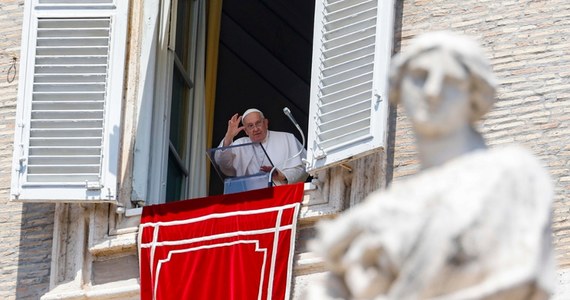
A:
[264, 62]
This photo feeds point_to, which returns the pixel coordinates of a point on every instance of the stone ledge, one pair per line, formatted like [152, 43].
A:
[125, 289]
[308, 263]
[115, 244]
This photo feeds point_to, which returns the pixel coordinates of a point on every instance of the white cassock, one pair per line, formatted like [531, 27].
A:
[281, 148]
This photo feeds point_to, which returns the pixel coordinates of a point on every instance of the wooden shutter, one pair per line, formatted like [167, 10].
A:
[69, 100]
[349, 107]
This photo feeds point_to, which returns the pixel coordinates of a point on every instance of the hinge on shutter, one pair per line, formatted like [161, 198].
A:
[319, 154]
[378, 99]
[22, 158]
[93, 185]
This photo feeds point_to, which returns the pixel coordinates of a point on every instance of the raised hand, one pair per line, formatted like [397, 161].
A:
[233, 129]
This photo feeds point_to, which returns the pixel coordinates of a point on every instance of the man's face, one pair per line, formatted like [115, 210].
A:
[255, 127]
[435, 94]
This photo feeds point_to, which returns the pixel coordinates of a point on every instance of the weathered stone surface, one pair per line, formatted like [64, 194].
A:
[476, 228]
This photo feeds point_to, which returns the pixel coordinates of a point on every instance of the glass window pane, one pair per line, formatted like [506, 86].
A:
[174, 181]
[181, 101]
[183, 32]
[178, 113]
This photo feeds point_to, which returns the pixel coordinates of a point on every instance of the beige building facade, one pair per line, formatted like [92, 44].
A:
[69, 249]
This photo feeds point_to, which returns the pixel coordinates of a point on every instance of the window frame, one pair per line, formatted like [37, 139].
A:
[152, 143]
[150, 162]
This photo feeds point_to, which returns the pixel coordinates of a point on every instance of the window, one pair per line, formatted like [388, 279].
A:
[173, 168]
[348, 105]
[69, 101]
[180, 100]
[349, 80]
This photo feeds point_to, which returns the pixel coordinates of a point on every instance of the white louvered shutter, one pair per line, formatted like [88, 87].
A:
[69, 100]
[352, 46]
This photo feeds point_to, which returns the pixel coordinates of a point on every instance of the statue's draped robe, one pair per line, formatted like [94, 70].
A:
[478, 227]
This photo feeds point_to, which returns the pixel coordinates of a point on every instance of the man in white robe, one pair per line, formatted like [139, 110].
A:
[280, 150]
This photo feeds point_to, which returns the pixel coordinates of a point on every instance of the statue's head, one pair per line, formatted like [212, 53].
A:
[444, 81]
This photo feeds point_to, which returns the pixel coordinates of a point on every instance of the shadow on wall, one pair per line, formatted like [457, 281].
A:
[391, 143]
[34, 259]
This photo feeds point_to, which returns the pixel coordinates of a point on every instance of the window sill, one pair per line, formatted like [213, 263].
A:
[119, 243]
[131, 212]
[315, 206]
[125, 289]
[310, 199]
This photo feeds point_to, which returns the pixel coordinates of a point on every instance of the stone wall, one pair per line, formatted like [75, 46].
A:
[528, 43]
[25, 229]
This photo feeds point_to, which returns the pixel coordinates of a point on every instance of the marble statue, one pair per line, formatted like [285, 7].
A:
[474, 223]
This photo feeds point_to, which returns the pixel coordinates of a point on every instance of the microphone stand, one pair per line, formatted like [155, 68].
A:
[288, 113]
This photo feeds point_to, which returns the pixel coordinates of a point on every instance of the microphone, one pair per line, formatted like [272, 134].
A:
[288, 113]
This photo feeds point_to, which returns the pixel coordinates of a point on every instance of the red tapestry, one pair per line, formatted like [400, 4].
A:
[237, 246]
